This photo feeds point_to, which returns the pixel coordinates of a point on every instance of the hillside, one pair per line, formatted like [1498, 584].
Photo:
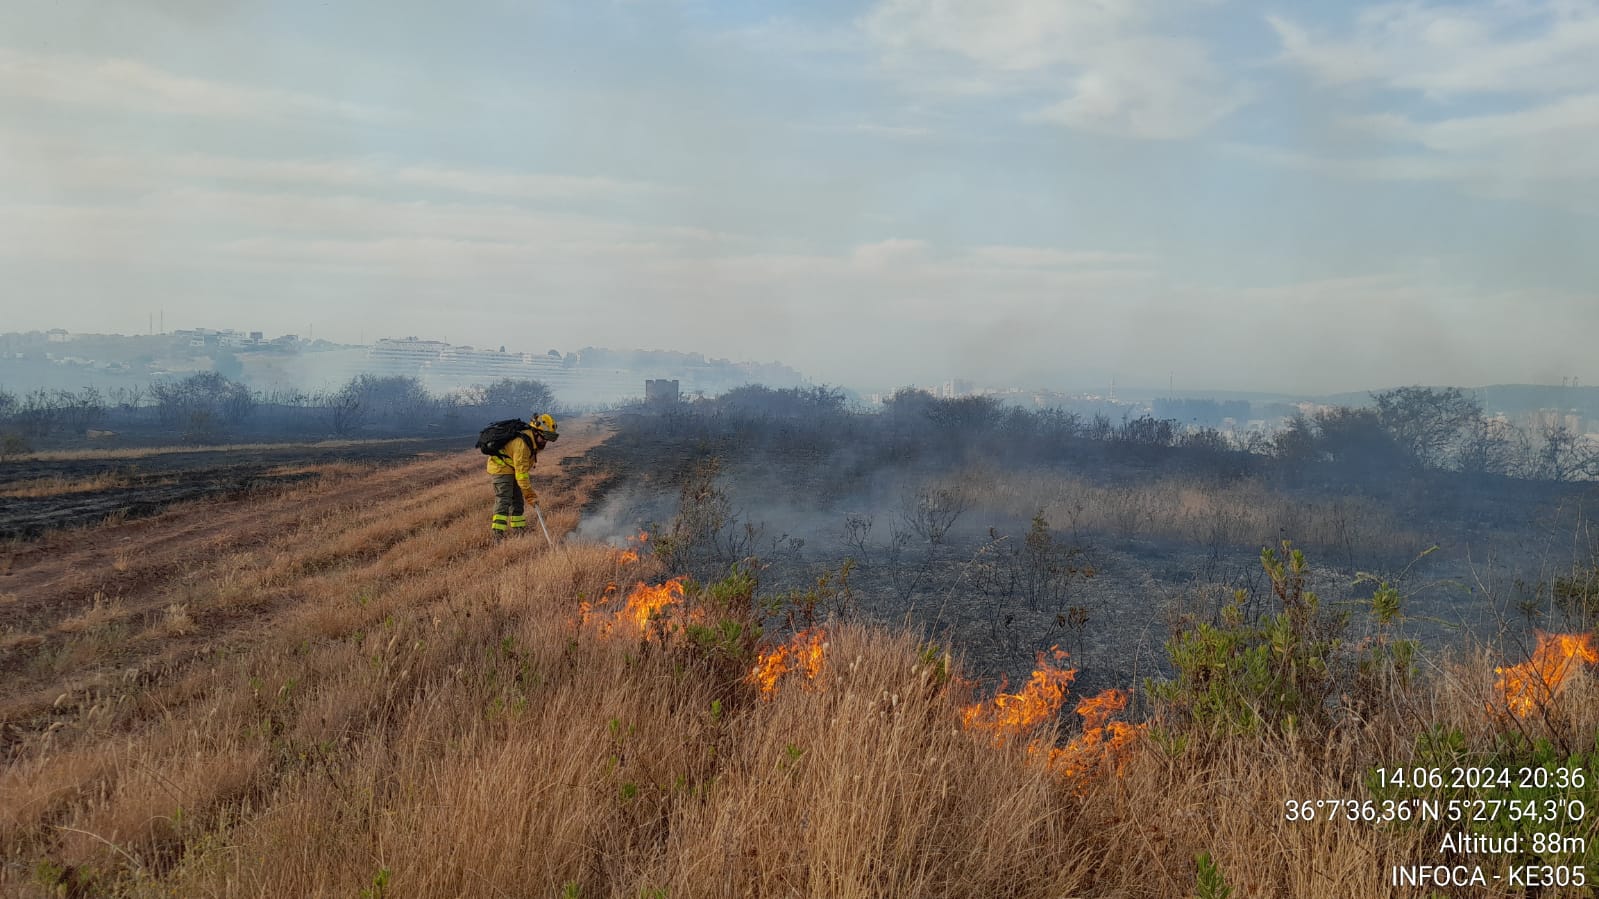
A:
[339, 688]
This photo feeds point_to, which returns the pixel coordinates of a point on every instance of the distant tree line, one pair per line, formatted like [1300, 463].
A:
[1440, 429]
[1405, 431]
[208, 407]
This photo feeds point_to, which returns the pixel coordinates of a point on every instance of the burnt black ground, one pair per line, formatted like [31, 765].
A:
[158, 480]
[1495, 543]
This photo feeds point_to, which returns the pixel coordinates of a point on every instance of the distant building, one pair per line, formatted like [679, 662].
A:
[660, 390]
[1549, 419]
[403, 357]
[57, 335]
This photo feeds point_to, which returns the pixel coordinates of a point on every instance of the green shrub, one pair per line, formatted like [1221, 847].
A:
[1208, 882]
[1238, 676]
[723, 630]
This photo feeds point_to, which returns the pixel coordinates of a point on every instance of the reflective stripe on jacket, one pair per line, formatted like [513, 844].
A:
[518, 460]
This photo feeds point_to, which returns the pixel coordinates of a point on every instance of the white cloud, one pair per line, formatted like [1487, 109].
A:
[133, 86]
[1007, 35]
[873, 129]
[1049, 257]
[377, 174]
[785, 36]
[896, 253]
[66, 164]
[1542, 153]
[1101, 66]
[1573, 118]
[1504, 97]
[1121, 92]
[519, 185]
[1455, 50]
[489, 246]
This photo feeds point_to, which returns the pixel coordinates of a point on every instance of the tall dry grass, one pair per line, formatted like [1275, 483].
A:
[387, 705]
[55, 486]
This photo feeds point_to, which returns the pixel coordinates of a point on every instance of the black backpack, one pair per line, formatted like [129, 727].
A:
[491, 440]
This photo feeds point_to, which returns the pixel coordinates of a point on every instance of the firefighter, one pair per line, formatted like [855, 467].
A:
[511, 470]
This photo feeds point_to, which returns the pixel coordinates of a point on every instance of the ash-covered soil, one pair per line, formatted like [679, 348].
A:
[147, 484]
[1117, 598]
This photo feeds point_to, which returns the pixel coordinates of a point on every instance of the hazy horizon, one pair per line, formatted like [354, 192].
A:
[1227, 195]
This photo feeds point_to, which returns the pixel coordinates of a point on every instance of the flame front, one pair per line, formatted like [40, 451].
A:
[1009, 715]
[1531, 685]
[1016, 715]
[644, 604]
[628, 556]
[804, 653]
[1102, 740]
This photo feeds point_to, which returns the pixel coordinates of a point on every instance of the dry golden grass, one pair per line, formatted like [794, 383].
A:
[100, 611]
[378, 700]
[42, 487]
[177, 622]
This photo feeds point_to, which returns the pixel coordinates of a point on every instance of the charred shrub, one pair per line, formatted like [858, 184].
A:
[1046, 566]
[709, 534]
[690, 542]
[1578, 595]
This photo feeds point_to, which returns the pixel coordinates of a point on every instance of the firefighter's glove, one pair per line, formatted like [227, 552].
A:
[530, 496]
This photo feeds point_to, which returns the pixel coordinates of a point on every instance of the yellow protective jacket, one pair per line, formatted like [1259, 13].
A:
[520, 454]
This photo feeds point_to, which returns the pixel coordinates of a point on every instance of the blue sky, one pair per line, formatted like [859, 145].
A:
[1304, 197]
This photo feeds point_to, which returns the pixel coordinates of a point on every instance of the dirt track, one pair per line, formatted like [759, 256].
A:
[122, 578]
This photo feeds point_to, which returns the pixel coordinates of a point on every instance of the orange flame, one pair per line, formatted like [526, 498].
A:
[1009, 715]
[1015, 715]
[1096, 710]
[642, 537]
[645, 604]
[628, 556]
[1531, 685]
[804, 653]
[1102, 740]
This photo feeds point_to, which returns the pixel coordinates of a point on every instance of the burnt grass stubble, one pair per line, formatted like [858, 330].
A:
[1467, 553]
[153, 482]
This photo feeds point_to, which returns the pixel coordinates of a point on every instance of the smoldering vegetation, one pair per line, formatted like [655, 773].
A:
[1006, 531]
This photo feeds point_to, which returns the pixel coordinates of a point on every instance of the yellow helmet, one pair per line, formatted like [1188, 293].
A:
[546, 424]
